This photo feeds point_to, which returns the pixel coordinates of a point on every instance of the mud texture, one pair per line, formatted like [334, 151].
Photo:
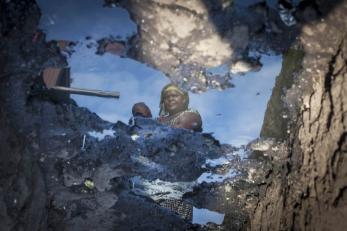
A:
[183, 39]
[55, 174]
[275, 123]
[308, 189]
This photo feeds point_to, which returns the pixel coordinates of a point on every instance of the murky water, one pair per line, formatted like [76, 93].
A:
[234, 116]
[204, 216]
[78, 19]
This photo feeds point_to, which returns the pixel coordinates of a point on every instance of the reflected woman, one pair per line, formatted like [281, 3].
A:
[174, 110]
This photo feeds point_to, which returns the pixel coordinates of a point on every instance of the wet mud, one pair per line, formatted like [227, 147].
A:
[64, 168]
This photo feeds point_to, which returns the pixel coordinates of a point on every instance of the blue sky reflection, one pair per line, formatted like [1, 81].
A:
[234, 116]
[74, 20]
[135, 81]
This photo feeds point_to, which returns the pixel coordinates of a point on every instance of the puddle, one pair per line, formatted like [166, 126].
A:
[61, 21]
[204, 216]
[234, 115]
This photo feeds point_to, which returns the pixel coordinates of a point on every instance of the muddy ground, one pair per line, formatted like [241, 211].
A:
[56, 175]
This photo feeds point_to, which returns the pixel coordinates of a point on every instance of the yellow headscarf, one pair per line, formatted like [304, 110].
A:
[171, 87]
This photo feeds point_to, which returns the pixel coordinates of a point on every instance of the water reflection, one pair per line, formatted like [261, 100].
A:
[204, 216]
[135, 81]
[75, 20]
[234, 116]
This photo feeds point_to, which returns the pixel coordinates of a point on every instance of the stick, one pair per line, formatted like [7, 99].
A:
[90, 92]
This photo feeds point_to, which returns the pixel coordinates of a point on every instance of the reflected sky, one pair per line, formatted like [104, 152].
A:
[234, 116]
[204, 216]
[136, 82]
[74, 20]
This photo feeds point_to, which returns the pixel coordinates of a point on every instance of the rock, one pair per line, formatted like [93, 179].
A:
[275, 125]
[313, 173]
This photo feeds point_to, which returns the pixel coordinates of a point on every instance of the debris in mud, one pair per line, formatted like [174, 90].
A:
[117, 169]
[101, 135]
[112, 46]
[89, 184]
[65, 46]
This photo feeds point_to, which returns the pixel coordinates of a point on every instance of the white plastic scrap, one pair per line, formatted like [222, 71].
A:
[209, 177]
[101, 135]
[262, 145]
[135, 137]
[83, 142]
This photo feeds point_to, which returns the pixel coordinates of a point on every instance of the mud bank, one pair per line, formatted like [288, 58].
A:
[307, 189]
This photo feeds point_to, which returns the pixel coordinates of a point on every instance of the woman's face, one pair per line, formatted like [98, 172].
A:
[174, 102]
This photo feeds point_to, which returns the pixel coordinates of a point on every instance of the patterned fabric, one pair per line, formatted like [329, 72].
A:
[180, 207]
[172, 121]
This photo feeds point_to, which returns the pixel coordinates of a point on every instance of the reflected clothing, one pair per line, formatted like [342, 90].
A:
[178, 206]
[174, 120]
